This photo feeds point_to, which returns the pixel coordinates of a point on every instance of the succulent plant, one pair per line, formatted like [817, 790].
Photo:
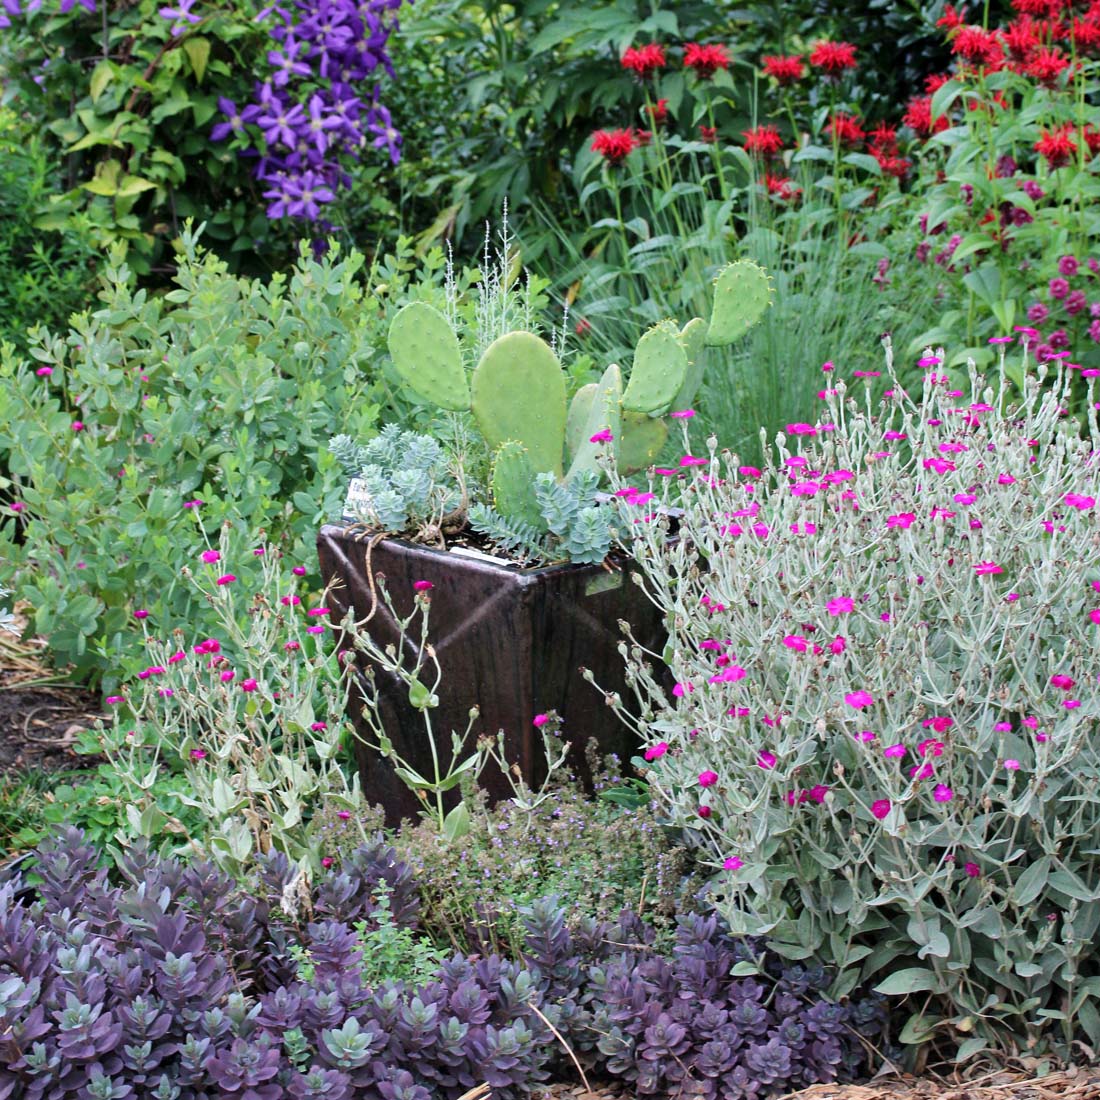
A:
[517, 396]
[174, 984]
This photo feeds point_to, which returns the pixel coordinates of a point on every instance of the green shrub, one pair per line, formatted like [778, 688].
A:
[224, 391]
[882, 733]
[44, 276]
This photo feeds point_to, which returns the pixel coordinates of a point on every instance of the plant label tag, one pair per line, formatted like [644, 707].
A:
[605, 582]
[357, 503]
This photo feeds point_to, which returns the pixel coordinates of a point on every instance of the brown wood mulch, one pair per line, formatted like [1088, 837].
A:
[1075, 1083]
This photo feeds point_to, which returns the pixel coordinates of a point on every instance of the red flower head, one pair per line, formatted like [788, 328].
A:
[583, 327]
[918, 117]
[935, 82]
[895, 166]
[833, 57]
[705, 61]
[883, 139]
[644, 61]
[658, 112]
[1092, 139]
[614, 145]
[762, 141]
[709, 133]
[1047, 65]
[951, 19]
[1047, 8]
[1086, 32]
[643, 137]
[784, 70]
[979, 47]
[1021, 39]
[1057, 146]
[845, 129]
[780, 186]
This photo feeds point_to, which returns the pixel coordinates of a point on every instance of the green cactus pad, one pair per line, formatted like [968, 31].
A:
[513, 482]
[643, 438]
[692, 337]
[604, 413]
[519, 394]
[660, 366]
[426, 355]
[575, 422]
[742, 294]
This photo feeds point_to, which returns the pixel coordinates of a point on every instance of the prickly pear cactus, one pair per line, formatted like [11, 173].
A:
[642, 440]
[513, 478]
[692, 337]
[577, 419]
[519, 394]
[604, 415]
[660, 366]
[426, 354]
[742, 293]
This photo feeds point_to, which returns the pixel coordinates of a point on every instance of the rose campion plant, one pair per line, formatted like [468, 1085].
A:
[884, 646]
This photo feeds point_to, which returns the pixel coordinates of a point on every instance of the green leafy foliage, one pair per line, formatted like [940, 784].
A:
[126, 99]
[224, 391]
[44, 275]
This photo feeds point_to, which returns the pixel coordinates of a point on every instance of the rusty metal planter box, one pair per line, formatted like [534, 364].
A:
[509, 641]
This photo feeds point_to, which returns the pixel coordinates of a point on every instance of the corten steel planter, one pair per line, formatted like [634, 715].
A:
[509, 641]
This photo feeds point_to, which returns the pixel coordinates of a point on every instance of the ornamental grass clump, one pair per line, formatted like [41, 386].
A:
[883, 726]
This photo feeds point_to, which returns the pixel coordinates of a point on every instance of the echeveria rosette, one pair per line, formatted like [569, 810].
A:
[312, 113]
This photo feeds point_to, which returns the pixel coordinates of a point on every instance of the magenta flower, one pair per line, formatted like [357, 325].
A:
[227, 676]
[1094, 615]
[1060, 680]
[192, 504]
[796, 642]
[880, 808]
[540, 720]
[316, 611]
[683, 414]
[317, 727]
[708, 779]
[18, 506]
[940, 723]
[141, 613]
[422, 586]
[1012, 765]
[326, 862]
[704, 812]
[840, 606]
[249, 685]
[176, 657]
[228, 578]
[972, 869]
[344, 815]
[1003, 727]
[894, 751]
[838, 644]
[766, 760]
[655, 752]
[987, 569]
[943, 793]
[198, 754]
[211, 556]
[733, 863]
[77, 425]
[299, 570]
[44, 372]
[859, 699]
[114, 700]
[904, 520]
[1080, 501]
[690, 460]
[601, 437]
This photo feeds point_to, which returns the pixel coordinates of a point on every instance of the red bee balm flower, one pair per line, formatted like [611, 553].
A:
[833, 57]
[918, 117]
[762, 141]
[1057, 146]
[781, 187]
[645, 60]
[978, 46]
[705, 61]
[658, 112]
[708, 133]
[784, 70]
[845, 129]
[614, 145]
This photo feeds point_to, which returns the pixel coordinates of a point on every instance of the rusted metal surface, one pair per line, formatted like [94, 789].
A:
[510, 642]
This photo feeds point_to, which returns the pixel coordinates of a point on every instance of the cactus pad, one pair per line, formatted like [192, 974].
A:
[643, 438]
[426, 355]
[692, 338]
[519, 394]
[513, 486]
[605, 413]
[742, 294]
[660, 366]
[575, 422]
